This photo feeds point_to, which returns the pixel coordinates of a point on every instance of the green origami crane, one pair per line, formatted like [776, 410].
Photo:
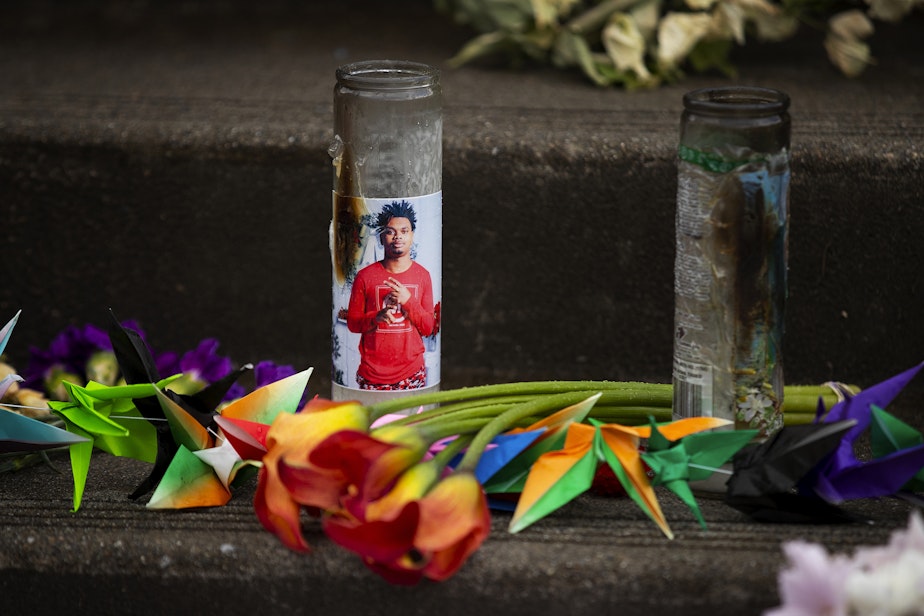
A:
[107, 418]
[693, 458]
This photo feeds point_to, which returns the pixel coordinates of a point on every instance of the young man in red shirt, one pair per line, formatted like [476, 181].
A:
[391, 306]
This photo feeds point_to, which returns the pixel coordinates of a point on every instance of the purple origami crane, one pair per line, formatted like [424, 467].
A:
[843, 476]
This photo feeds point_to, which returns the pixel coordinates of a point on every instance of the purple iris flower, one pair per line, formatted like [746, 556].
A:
[206, 365]
[167, 364]
[69, 351]
[267, 372]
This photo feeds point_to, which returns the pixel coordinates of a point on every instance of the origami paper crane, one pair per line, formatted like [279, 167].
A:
[24, 434]
[803, 472]
[106, 417]
[559, 476]
[5, 334]
[696, 457]
[845, 477]
[7, 331]
[138, 367]
[144, 420]
[504, 468]
[248, 438]
[188, 482]
[503, 450]
[765, 478]
[19, 433]
[201, 472]
[889, 435]
[624, 458]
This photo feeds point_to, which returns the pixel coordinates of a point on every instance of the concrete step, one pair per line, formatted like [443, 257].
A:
[597, 555]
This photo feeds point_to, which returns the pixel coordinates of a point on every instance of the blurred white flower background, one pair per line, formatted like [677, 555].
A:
[644, 43]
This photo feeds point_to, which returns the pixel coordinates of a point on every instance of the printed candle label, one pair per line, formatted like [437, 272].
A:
[387, 268]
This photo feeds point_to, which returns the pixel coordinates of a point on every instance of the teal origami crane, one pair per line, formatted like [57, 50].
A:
[21, 434]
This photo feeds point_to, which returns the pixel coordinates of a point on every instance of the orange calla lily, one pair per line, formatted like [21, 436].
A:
[416, 530]
[290, 439]
[349, 468]
[454, 522]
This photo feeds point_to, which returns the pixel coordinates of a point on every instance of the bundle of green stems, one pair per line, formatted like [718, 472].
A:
[627, 403]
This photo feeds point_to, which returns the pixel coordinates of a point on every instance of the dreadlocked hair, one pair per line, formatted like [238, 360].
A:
[396, 209]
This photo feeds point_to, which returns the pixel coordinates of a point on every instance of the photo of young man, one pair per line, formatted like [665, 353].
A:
[391, 307]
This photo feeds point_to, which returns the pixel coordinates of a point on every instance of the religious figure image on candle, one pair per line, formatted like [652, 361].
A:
[391, 306]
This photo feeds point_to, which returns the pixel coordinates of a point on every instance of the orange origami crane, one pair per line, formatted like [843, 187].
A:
[560, 476]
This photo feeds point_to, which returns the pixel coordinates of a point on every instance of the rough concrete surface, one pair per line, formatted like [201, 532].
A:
[597, 554]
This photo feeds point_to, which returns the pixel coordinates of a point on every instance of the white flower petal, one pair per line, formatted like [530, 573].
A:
[843, 44]
[890, 10]
[678, 33]
[814, 581]
[728, 22]
[852, 24]
[646, 16]
[700, 5]
[625, 44]
[547, 12]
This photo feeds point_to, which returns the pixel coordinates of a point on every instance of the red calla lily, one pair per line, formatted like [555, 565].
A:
[416, 530]
[289, 441]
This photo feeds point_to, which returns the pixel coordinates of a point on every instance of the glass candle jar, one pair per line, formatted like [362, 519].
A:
[386, 231]
[731, 256]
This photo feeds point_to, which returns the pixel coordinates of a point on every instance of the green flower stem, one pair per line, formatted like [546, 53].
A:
[660, 397]
[798, 419]
[476, 407]
[629, 404]
[451, 450]
[821, 390]
[630, 415]
[530, 388]
[520, 404]
[804, 403]
[439, 431]
[539, 407]
[476, 417]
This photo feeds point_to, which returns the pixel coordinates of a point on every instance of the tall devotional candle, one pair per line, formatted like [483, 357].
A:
[731, 256]
[386, 231]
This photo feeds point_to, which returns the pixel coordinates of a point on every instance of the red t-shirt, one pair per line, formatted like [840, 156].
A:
[391, 352]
